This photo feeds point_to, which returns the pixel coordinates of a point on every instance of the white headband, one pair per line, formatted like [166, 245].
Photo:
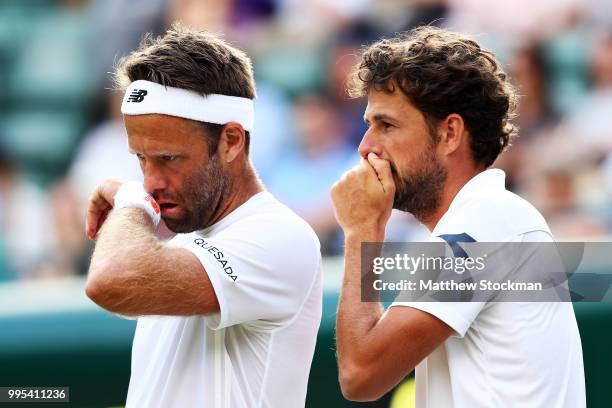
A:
[145, 97]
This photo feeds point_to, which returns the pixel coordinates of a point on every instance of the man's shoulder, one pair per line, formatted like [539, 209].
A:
[493, 216]
[266, 223]
[266, 236]
[273, 219]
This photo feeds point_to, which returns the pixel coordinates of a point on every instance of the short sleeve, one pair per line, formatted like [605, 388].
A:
[261, 275]
[457, 315]
[460, 315]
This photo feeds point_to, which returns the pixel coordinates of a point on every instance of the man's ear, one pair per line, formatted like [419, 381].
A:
[231, 142]
[452, 133]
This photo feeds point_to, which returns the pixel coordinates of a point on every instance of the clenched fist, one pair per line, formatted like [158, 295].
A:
[363, 197]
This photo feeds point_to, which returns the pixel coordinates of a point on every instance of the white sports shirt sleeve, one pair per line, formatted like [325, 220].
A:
[258, 276]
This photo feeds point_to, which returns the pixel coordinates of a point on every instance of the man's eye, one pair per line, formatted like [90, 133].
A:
[168, 157]
[140, 156]
[386, 125]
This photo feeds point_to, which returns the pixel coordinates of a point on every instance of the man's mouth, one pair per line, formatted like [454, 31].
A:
[167, 208]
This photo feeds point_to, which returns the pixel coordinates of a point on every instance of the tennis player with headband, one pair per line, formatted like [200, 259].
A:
[229, 308]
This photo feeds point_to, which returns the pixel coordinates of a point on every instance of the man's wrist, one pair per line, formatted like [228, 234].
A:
[133, 195]
[365, 233]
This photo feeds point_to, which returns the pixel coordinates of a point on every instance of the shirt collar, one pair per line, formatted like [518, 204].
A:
[491, 179]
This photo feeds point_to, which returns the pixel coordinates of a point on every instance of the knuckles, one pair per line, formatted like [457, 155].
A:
[107, 190]
[354, 179]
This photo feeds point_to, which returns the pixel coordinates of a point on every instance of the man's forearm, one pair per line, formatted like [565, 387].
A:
[355, 318]
[125, 238]
[133, 273]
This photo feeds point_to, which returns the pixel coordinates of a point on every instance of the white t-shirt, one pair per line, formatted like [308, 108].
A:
[264, 264]
[503, 354]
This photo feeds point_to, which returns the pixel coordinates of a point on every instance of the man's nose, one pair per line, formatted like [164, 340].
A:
[368, 145]
[154, 179]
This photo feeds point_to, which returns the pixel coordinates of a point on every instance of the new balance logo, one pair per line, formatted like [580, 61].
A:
[137, 95]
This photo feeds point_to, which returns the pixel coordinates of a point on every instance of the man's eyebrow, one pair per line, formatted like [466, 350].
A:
[165, 153]
[378, 117]
[158, 153]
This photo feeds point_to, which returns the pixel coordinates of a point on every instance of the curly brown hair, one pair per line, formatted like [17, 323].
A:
[443, 72]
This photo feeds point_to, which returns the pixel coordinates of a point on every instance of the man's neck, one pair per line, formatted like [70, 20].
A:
[243, 188]
[449, 192]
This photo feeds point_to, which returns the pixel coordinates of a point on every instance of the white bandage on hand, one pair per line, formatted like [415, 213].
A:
[133, 195]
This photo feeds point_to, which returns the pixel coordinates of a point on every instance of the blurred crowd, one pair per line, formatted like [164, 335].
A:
[61, 131]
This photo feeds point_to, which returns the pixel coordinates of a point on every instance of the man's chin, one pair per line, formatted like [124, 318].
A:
[179, 226]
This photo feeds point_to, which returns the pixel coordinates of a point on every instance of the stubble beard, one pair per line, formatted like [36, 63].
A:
[420, 192]
[202, 195]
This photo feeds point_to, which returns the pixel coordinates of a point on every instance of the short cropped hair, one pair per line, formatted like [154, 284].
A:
[197, 61]
[442, 72]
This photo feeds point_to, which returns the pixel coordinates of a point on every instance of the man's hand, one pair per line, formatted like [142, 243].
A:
[100, 204]
[363, 197]
[375, 352]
